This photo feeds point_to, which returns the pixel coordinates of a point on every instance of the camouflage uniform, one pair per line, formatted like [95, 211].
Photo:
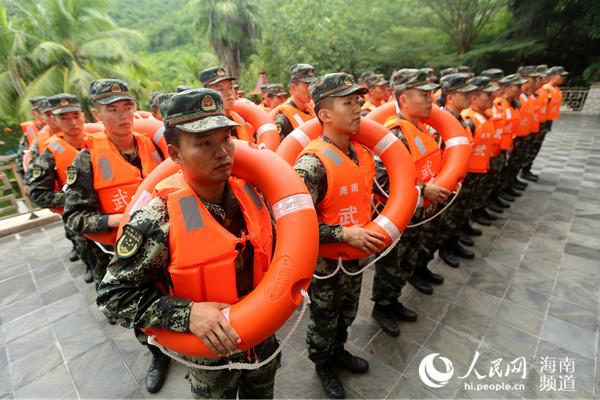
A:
[42, 185]
[129, 294]
[334, 301]
[23, 146]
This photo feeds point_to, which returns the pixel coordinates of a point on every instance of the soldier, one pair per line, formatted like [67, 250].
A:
[275, 95]
[263, 92]
[158, 236]
[378, 93]
[216, 78]
[182, 88]
[49, 171]
[30, 130]
[334, 301]
[103, 178]
[297, 109]
[50, 128]
[154, 105]
[412, 91]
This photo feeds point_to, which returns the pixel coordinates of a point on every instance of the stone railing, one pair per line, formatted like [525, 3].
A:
[573, 99]
[592, 101]
[12, 199]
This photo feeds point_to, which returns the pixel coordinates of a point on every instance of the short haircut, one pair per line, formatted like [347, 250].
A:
[326, 103]
[171, 135]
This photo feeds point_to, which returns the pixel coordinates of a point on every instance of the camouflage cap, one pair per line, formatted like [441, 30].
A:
[334, 85]
[36, 101]
[109, 90]
[557, 70]
[63, 103]
[513, 79]
[376, 80]
[528, 70]
[183, 88]
[263, 88]
[44, 106]
[276, 89]
[214, 75]
[493, 73]
[447, 71]
[463, 69]
[483, 84]
[196, 110]
[457, 83]
[153, 99]
[542, 69]
[365, 75]
[410, 78]
[302, 73]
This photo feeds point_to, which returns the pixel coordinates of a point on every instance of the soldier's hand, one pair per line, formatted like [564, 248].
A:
[210, 325]
[435, 193]
[26, 191]
[114, 220]
[366, 240]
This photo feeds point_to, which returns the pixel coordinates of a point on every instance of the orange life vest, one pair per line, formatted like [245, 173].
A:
[495, 115]
[295, 116]
[243, 131]
[537, 105]
[64, 153]
[525, 116]
[556, 97]
[483, 137]
[425, 152]
[209, 275]
[115, 180]
[369, 105]
[511, 122]
[544, 99]
[349, 186]
[30, 130]
[43, 135]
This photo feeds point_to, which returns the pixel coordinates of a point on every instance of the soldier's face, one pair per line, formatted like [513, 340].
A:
[70, 123]
[460, 100]
[207, 158]
[277, 100]
[300, 91]
[345, 114]
[378, 93]
[417, 103]
[117, 117]
[227, 92]
[47, 119]
[482, 100]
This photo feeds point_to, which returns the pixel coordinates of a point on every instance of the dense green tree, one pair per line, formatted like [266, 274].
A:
[231, 26]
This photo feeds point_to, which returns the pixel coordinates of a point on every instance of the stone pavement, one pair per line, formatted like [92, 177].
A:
[521, 319]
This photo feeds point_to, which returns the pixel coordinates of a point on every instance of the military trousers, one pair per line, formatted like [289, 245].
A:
[333, 307]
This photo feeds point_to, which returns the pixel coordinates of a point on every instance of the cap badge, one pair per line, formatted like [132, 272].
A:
[208, 104]
[347, 81]
[64, 102]
[116, 88]
[220, 72]
[311, 72]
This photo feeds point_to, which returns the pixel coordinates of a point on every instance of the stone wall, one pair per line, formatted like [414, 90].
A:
[592, 102]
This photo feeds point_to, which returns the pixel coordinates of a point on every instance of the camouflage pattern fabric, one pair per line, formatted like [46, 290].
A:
[284, 126]
[23, 145]
[514, 162]
[130, 295]
[535, 146]
[491, 181]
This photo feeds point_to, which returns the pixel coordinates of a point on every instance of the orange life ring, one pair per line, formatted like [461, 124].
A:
[93, 127]
[457, 152]
[401, 205]
[261, 313]
[153, 129]
[266, 130]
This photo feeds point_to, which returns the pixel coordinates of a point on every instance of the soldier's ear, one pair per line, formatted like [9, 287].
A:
[324, 115]
[174, 154]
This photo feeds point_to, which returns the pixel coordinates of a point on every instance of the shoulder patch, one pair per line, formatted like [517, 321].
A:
[129, 242]
[37, 171]
[71, 175]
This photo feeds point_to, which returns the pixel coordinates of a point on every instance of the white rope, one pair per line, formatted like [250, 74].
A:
[112, 253]
[456, 192]
[340, 266]
[231, 365]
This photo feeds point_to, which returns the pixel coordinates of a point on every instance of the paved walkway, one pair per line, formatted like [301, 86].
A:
[523, 314]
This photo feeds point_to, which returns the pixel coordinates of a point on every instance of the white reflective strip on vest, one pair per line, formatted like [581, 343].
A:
[298, 119]
[333, 156]
[241, 118]
[388, 226]
[457, 141]
[480, 118]
[57, 146]
[508, 114]
[301, 137]
[105, 168]
[384, 143]
[191, 213]
[156, 157]
[420, 145]
[31, 132]
[293, 203]
[157, 135]
[253, 196]
[266, 127]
